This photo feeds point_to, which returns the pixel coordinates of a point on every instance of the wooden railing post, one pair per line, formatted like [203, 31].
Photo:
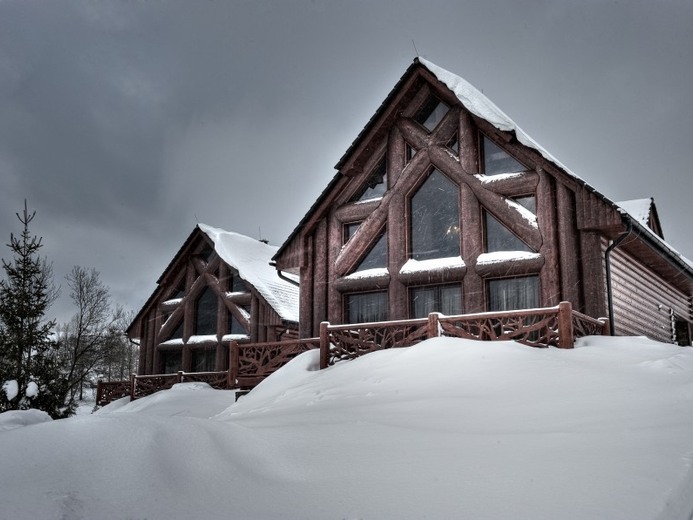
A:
[133, 382]
[565, 325]
[606, 326]
[234, 359]
[179, 376]
[433, 325]
[99, 390]
[324, 344]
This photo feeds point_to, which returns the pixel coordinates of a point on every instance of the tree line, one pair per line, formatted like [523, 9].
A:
[46, 365]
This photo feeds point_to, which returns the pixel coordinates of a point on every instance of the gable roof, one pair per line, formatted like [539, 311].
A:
[482, 107]
[251, 258]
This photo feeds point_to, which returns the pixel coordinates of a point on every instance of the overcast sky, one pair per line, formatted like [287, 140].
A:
[125, 123]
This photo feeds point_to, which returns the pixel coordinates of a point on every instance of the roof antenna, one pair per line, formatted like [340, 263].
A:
[259, 232]
[416, 51]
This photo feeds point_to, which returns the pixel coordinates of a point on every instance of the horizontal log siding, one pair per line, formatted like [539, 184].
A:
[642, 300]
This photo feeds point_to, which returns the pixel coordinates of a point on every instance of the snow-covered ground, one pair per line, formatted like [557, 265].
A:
[446, 429]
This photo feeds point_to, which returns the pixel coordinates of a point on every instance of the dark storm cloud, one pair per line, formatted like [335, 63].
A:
[125, 123]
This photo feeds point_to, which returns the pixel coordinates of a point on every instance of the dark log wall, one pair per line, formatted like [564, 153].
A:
[643, 302]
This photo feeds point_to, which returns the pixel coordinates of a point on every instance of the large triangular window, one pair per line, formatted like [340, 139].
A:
[435, 219]
[376, 185]
[497, 161]
[376, 257]
[500, 238]
[431, 113]
[206, 313]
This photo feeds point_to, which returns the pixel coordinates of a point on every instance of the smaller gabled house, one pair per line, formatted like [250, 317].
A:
[218, 288]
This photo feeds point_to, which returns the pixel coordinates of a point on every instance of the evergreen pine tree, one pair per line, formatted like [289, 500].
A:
[29, 364]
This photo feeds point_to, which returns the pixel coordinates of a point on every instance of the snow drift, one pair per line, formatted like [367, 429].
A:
[446, 429]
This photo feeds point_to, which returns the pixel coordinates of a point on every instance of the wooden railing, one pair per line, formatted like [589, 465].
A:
[107, 391]
[553, 326]
[250, 363]
[253, 362]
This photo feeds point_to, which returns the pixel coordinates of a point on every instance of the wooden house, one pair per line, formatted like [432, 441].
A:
[218, 288]
[442, 203]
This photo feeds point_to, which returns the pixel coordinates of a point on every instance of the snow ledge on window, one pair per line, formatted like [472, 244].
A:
[434, 264]
[505, 256]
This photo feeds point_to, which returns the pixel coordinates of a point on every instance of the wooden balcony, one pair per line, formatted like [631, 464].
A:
[250, 363]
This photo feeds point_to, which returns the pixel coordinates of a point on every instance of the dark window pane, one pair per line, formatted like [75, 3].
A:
[513, 293]
[377, 183]
[171, 362]
[529, 203]
[206, 253]
[178, 333]
[237, 284]
[500, 238]
[435, 219]
[432, 113]
[454, 144]
[366, 307]
[436, 298]
[203, 360]
[377, 256]
[349, 230]
[497, 160]
[206, 313]
[235, 326]
[410, 152]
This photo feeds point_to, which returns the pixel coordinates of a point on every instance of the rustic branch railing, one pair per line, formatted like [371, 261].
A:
[253, 362]
[553, 326]
[107, 391]
[250, 363]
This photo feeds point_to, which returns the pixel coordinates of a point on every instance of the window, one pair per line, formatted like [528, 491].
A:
[435, 298]
[171, 362]
[237, 284]
[435, 219]
[178, 333]
[235, 326]
[206, 253]
[682, 332]
[348, 231]
[409, 152]
[431, 113]
[377, 183]
[366, 307]
[203, 360]
[377, 256]
[206, 313]
[500, 238]
[529, 202]
[507, 294]
[454, 144]
[497, 161]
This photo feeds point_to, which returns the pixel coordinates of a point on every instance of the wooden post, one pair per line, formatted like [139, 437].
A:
[606, 326]
[324, 344]
[99, 389]
[565, 325]
[233, 363]
[433, 325]
[133, 382]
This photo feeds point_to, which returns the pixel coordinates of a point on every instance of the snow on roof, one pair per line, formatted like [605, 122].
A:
[481, 106]
[251, 258]
[639, 209]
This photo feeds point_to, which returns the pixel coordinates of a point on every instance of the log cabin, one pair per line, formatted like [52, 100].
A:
[218, 288]
[442, 203]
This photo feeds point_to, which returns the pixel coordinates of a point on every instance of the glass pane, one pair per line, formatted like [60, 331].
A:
[377, 256]
[178, 333]
[529, 203]
[513, 293]
[349, 230]
[171, 362]
[410, 152]
[237, 284]
[235, 326]
[203, 360]
[366, 307]
[206, 313]
[497, 160]
[435, 298]
[377, 183]
[454, 144]
[435, 219]
[500, 238]
[451, 299]
[432, 113]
